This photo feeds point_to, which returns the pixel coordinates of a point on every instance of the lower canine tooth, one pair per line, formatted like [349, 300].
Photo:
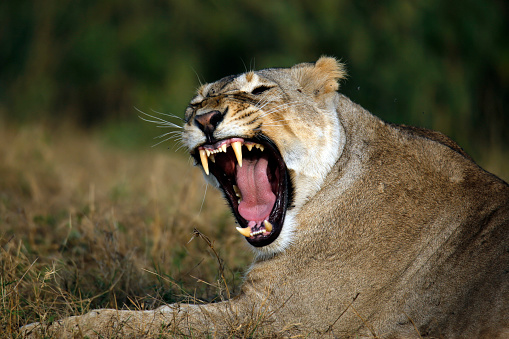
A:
[268, 226]
[204, 161]
[244, 231]
[237, 191]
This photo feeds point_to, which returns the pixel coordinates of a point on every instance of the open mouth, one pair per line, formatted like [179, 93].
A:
[254, 179]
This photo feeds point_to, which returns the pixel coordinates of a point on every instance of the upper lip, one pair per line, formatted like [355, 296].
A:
[225, 155]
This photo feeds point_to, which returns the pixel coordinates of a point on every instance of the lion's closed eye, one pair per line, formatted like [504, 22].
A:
[260, 89]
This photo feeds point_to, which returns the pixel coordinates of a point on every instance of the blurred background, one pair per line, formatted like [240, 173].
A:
[437, 64]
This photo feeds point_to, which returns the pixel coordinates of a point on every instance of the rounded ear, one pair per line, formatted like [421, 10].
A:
[320, 77]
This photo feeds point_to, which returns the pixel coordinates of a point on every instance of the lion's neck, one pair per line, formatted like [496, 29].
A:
[359, 130]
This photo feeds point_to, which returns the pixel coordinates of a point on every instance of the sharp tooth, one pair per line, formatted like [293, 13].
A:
[237, 191]
[244, 231]
[249, 147]
[204, 161]
[268, 226]
[224, 147]
[237, 148]
[208, 152]
[212, 158]
[257, 145]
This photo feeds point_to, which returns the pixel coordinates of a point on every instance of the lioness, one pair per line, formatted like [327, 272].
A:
[361, 228]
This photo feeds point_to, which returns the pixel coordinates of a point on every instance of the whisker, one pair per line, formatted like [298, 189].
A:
[182, 145]
[168, 115]
[175, 145]
[197, 76]
[162, 123]
[254, 64]
[173, 138]
[279, 108]
[275, 122]
[264, 98]
[175, 134]
[160, 142]
[289, 104]
[157, 120]
[283, 119]
[245, 67]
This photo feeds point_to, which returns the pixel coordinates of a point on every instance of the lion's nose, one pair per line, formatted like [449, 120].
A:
[208, 122]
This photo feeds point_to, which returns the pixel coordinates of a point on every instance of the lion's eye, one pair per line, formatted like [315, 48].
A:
[260, 89]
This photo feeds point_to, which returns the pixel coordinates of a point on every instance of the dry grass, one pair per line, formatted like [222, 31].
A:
[84, 226]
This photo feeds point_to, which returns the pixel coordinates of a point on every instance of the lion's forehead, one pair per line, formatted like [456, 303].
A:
[241, 83]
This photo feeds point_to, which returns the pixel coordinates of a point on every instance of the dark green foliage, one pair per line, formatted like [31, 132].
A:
[437, 64]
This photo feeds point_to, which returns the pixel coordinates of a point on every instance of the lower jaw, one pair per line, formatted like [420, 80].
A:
[264, 238]
[256, 228]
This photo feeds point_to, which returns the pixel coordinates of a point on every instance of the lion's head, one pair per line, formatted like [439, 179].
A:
[267, 139]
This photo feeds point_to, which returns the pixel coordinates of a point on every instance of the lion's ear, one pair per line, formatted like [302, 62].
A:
[320, 77]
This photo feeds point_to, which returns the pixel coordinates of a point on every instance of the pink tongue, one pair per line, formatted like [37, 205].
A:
[257, 197]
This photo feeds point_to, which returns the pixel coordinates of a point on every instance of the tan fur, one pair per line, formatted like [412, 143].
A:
[395, 232]
[322, 78]
[249, 76]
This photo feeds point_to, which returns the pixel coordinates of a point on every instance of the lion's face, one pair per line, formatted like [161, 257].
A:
[267, 139]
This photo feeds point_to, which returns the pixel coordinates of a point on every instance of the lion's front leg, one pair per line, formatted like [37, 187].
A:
[224, 318]
[108, 323]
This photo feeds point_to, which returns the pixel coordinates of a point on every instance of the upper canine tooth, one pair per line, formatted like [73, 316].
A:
[268, 226]
[249, 147]
[244, 231]
[237, 148]
[224, 147]
[204, 161]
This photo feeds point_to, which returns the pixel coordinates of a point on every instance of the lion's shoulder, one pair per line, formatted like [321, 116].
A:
[433, 136]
